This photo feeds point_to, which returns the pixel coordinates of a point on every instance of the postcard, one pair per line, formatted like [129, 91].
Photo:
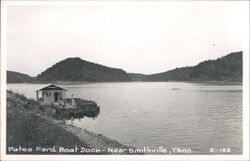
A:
[125, 80]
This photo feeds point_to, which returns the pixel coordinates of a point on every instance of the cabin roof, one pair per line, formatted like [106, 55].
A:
[51, 87]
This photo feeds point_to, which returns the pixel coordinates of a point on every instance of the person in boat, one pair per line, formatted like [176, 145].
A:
[73, 101]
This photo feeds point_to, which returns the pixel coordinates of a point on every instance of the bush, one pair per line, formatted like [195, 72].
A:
[31, 105]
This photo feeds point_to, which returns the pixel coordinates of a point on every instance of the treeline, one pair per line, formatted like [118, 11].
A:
[76, 69]
[226, 68]
[15, 77]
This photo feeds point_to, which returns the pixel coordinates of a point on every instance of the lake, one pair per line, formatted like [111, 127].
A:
[169, 114]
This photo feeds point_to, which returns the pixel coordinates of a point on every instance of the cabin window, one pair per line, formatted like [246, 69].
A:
[48, 94]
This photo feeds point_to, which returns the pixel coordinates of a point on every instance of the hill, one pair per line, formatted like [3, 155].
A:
[226, 68]
[76, 69]
[15, 77]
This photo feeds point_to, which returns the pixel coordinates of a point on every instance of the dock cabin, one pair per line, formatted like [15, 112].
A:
[50, 94]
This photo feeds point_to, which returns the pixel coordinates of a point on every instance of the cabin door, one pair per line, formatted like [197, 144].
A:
[56, 96]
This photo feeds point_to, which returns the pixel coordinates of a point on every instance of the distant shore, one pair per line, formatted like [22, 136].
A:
[218, 82]
[224, 82]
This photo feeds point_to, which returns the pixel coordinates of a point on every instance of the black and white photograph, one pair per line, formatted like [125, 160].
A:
[124, 80]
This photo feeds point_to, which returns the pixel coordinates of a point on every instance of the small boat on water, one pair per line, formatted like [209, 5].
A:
[175, 89]
[66, 108]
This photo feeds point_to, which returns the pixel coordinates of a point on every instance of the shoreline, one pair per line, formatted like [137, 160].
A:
[30, 126]
[93, 140]
[83, 82]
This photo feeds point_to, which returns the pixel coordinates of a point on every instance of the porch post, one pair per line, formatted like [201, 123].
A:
[37, 95]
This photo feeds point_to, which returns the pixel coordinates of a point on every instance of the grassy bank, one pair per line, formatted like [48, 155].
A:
[31, 126]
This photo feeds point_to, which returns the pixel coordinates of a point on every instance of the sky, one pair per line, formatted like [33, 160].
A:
[142, 37]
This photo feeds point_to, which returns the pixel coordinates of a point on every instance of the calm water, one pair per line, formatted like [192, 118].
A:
[197, 116]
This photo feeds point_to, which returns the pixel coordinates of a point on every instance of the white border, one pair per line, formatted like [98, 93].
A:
[246, 87]
[3, 77]
[245, 156]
